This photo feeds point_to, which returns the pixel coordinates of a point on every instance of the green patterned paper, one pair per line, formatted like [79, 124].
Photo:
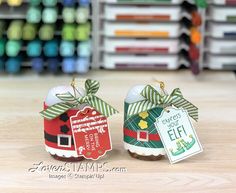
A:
[140, 122]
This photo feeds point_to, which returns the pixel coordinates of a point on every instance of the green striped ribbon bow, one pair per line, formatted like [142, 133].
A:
[70, 101]
[153, 99]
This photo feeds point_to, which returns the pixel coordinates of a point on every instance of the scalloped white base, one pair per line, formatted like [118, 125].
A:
[144, 151]
[61, 153]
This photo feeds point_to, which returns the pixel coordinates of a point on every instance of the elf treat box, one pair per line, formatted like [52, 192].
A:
[141, 139]
[75, 123]
[144, 105]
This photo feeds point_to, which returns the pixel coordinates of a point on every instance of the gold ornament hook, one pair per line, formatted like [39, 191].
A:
[73, 82]
[73, 85]
[162, 85]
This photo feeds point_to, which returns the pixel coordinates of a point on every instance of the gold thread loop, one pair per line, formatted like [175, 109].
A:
[73, 85]
[162, 85]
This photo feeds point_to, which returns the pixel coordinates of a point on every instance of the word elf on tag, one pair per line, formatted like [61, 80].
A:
[75, 122]
[174, 125]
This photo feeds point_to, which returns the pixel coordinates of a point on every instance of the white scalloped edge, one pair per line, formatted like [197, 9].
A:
[61, 152]
[144, 150]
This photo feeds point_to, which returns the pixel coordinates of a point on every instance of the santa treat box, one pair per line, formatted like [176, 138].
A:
[75, 122]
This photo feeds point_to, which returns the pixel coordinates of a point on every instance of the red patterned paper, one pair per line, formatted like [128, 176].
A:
[91, 134]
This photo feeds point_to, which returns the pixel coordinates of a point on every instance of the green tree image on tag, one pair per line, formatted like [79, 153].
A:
[177, 134]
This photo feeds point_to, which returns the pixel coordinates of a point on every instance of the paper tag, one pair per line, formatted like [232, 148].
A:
[177, 134]
[91, 134]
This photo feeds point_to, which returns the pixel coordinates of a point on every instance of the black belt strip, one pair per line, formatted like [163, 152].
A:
[53, 138]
